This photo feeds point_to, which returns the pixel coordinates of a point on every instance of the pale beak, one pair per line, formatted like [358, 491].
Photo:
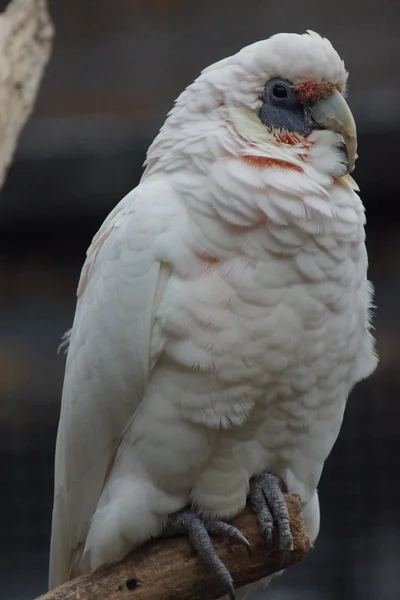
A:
[334, 113]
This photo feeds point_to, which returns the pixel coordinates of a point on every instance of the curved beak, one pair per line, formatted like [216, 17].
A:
[334, 113]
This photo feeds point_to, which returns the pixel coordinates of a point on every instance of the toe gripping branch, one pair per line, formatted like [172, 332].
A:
[198, 531]
[268, 503]
[168, 568]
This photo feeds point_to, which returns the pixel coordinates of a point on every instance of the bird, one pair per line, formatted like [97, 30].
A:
[223, 316]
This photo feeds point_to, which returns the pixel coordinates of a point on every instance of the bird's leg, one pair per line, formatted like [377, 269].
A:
[188, 521]
[268, 504]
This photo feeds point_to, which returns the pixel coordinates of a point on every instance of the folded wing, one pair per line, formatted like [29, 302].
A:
[108, 364]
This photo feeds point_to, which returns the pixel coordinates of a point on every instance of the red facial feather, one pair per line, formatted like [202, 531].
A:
[311, 91]
[262, 162]
[289, 138]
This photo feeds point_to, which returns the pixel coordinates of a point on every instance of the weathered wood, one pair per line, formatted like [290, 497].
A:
[26, 34]
[168, 569]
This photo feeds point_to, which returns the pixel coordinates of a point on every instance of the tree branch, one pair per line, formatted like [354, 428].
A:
[168, 569]
[26, 34]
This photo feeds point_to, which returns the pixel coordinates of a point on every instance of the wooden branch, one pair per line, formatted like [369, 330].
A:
[26, 34]
[168, 569]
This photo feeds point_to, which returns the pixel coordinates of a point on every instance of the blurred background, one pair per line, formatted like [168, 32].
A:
[116, 69]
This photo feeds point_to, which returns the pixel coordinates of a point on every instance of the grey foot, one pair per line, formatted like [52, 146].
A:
[269, 506]
[188, 522]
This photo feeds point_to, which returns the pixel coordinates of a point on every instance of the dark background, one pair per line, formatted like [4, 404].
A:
[116, 69]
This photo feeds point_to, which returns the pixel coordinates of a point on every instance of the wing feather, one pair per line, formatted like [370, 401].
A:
[107, 367]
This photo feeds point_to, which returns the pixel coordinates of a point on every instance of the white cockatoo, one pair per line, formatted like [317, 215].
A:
[223, 317]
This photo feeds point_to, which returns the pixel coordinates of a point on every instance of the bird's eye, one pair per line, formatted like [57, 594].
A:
[281, 107]
[280, 91]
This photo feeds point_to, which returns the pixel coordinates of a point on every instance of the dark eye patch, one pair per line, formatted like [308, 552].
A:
[283, 109]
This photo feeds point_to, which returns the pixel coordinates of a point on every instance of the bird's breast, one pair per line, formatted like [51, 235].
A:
[250, 331]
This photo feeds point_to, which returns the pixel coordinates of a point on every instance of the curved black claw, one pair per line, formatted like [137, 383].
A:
[269, 506]
[198, 530]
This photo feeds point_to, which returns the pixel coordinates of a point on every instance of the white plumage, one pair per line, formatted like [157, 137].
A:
[222, 318]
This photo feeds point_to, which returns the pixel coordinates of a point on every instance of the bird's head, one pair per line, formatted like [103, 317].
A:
[288, 88]
[265, 141]
[281, 97]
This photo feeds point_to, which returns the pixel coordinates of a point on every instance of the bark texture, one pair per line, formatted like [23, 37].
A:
[168, 569]
[26, 34]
